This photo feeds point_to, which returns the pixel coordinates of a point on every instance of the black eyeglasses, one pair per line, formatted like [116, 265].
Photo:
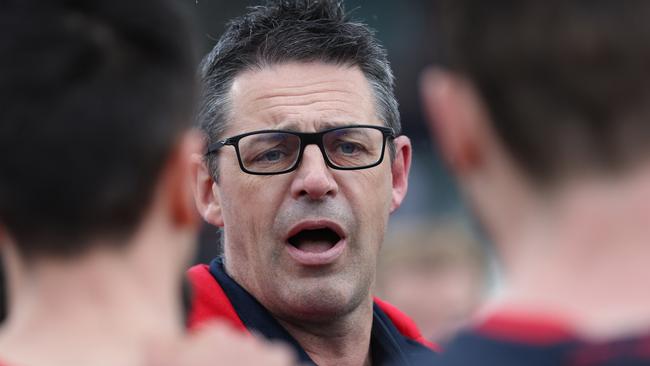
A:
[270, 152]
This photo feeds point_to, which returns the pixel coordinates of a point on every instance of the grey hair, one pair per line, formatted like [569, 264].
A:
[292, 30]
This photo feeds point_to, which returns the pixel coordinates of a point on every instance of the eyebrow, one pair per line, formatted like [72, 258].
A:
[294, 126]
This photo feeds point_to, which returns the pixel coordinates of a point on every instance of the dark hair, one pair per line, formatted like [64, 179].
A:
[95, 94]
[567, 83]
[292, 30]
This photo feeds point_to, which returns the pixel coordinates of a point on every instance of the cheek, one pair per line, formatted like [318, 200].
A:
[370, 197]
[249, 205]
[372, 194]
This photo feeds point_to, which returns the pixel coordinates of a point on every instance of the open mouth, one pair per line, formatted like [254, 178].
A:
[316, 243]
[315, 240]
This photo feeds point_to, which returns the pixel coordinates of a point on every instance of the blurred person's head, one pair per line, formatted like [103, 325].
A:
[95, 142]
[542, 100]
[436, 274]
[93, 124]
[302, 223]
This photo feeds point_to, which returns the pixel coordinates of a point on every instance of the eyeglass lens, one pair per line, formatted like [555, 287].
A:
[278, 151]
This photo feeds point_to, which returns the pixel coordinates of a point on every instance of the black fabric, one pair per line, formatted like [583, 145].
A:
[387, 345]
[472, 348]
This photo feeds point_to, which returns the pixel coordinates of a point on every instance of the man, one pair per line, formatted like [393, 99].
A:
[303, 167]
[543, 115]
[96, 213]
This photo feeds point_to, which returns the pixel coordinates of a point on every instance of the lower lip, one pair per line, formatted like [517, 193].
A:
[317, 259]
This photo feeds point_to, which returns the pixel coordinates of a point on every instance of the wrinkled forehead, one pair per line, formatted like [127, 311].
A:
[304, 97]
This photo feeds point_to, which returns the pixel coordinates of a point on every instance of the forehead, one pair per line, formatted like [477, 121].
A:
[301, 96]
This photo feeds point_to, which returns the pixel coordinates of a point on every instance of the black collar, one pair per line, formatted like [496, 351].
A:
[387, 345]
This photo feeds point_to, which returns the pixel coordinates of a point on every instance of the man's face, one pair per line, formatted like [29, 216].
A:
[305, 243]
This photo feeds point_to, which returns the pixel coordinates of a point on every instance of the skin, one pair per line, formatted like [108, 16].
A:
[577, 250]
[120, 304]
[328, 308]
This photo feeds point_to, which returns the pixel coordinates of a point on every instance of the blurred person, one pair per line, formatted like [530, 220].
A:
[3, 290]
[436, 274]
[96, 213]
[304, 164]
[542, 113]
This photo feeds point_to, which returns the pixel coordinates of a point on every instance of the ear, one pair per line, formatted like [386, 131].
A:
[206, 193]
[400, 168]
[178, 185]
[455, 114]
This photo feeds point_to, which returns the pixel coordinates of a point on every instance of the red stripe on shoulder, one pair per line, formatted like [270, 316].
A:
[535, 329]
[405, 324]
[209, 301]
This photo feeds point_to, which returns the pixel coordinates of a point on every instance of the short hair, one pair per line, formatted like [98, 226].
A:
[566, 83]
[284, 31]
[95, 95]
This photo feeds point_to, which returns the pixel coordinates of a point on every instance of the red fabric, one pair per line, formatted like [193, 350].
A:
[404, 324]
[534, 329]
[209, 302]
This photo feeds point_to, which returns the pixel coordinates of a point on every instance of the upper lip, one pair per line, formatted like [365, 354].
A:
[315, 225]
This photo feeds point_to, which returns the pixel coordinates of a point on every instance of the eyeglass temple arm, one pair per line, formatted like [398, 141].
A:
[215, 146]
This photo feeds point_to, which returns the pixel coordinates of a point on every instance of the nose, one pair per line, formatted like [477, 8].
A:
[313, 177]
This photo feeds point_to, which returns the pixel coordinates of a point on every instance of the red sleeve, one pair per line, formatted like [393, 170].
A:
[209, 302]
[405, 324]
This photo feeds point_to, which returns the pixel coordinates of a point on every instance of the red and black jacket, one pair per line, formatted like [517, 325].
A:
[395, 337]
[507, 339]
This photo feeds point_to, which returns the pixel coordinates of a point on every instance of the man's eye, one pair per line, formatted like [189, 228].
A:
[348, 148]
[270, 156]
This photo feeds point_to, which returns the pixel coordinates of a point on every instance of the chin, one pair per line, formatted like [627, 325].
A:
[322, 303]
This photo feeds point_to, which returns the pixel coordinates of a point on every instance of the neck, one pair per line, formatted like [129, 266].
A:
[345, 341]
[106, 304]
[585, 259]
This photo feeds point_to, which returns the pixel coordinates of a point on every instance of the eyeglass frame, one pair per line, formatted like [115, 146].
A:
[305, 138]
